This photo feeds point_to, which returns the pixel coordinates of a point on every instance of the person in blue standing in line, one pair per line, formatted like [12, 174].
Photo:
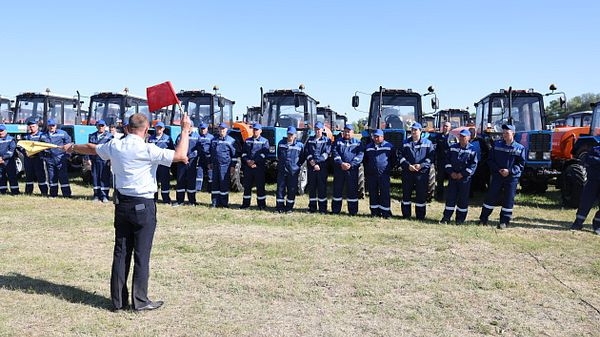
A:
[163, 173]
[202, 171]
[417, 156]
[56, 159]
[187, 172]
[254, 154]
[222, 163]
[290, 157]
[460, 165]
[35, 169]
[591, 192]
[8, 167]
[100, 168]
[380, 159]
[348, 154]
[318, 150]
[506, 162]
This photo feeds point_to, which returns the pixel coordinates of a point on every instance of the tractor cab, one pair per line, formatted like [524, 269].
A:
[115, 108]
[334, 122]
[579, 119]
[5, 110]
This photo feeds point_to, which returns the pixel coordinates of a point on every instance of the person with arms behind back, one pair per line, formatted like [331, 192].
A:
[134, 164]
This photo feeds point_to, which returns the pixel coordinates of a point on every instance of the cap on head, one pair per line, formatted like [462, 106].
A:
[222, 126]
[126, 122]
[203, 125]
[508, 127]
[257, 126]
[378, 132]
[416, 126]
[101, 122]
[2, 127]
[291, 130]
[51, 121]
[160, 125]
[31, 122]
[319, 125]
[349, 127]
[465, 133]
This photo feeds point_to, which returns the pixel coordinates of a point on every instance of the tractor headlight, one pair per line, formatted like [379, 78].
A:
[547, 155]
[532, 155]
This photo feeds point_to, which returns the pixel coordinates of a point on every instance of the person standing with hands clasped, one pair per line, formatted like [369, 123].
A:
[163, 173]
[348, 154]
[8, 167]
[417, 158]
[254, 154]
[134, 163]
[460, 165]
[290, 156]
[317, 150]
[223, 159]
[100, 168]
[380, 159]
[506, 161]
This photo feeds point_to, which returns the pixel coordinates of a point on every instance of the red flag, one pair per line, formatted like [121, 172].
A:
[161, 95]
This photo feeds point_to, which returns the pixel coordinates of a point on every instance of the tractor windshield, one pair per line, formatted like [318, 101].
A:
[198, 109]
[397, 112]
[526, 113]
[107, 109]
[280, 111]
[29, 109]
[4, 111]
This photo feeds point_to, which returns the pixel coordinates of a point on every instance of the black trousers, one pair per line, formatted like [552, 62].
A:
[135, 223]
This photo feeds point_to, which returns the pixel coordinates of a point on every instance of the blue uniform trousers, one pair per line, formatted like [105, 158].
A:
[379, 195]
[254, 176]
[418, 182]
[589, 196]
[457, 197]
[287, 184]
[220, 185]
[202, 174]
[35, 170]
[8, 171]
[135, 223]
[501, 189]
[163, 176]
[186, 181]
[101, 178]
[57, 172]
[349, 179]
[317, 189]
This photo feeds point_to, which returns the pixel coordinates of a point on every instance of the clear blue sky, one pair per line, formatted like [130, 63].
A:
[465, 49]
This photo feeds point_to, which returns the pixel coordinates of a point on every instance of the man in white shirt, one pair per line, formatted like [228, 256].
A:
[134, 163]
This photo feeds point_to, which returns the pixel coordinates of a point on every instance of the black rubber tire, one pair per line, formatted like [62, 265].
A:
[431, 184]
[302, 179]
[236, 178]
[361, 182]
[573, 180]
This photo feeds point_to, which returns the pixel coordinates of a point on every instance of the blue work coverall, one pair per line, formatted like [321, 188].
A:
[503, 156]
[202, 170]
[187, 173]
[349, 151]
[35, 169]
[290, 157]
[378, 162]
[222, 158]
[8, 169]
[420, 152]
[464, 161]
[57, 163]
[163, 173]
[591, 191]
[317, 151]
[255, 149]
[100, 168]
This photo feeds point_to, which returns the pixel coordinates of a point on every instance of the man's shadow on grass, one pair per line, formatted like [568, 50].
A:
[29, 285]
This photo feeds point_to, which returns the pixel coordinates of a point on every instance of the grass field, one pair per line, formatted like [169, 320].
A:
[252, 273]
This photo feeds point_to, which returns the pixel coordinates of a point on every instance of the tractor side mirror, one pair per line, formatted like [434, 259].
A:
[296, 101]
[355, 101]
[435, 103]
[562, 102]
[220, 102]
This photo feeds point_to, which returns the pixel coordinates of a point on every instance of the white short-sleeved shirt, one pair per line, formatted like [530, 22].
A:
[134, 163]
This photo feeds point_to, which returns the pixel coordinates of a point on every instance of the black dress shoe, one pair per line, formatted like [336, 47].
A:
[151, 306]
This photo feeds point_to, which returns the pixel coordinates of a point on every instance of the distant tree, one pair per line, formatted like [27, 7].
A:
[359, 125]
[577, 103]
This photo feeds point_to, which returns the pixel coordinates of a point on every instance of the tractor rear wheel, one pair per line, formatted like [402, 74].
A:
[236, 178]
[361, 181]
[432, 183]
[302, 179]
[573, 179]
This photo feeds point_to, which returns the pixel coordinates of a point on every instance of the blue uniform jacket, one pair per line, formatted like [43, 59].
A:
[348, 151]
[379, 159]
[98, 138]
[8, 145]
[164, 142]
[222, 152]
[204, 147]
[193, 145]
[318, 149]
[592, 163]
[420, 152]
[511, 157]
[255, 149]
[290, 156]
[59, 138]
[461, 160]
